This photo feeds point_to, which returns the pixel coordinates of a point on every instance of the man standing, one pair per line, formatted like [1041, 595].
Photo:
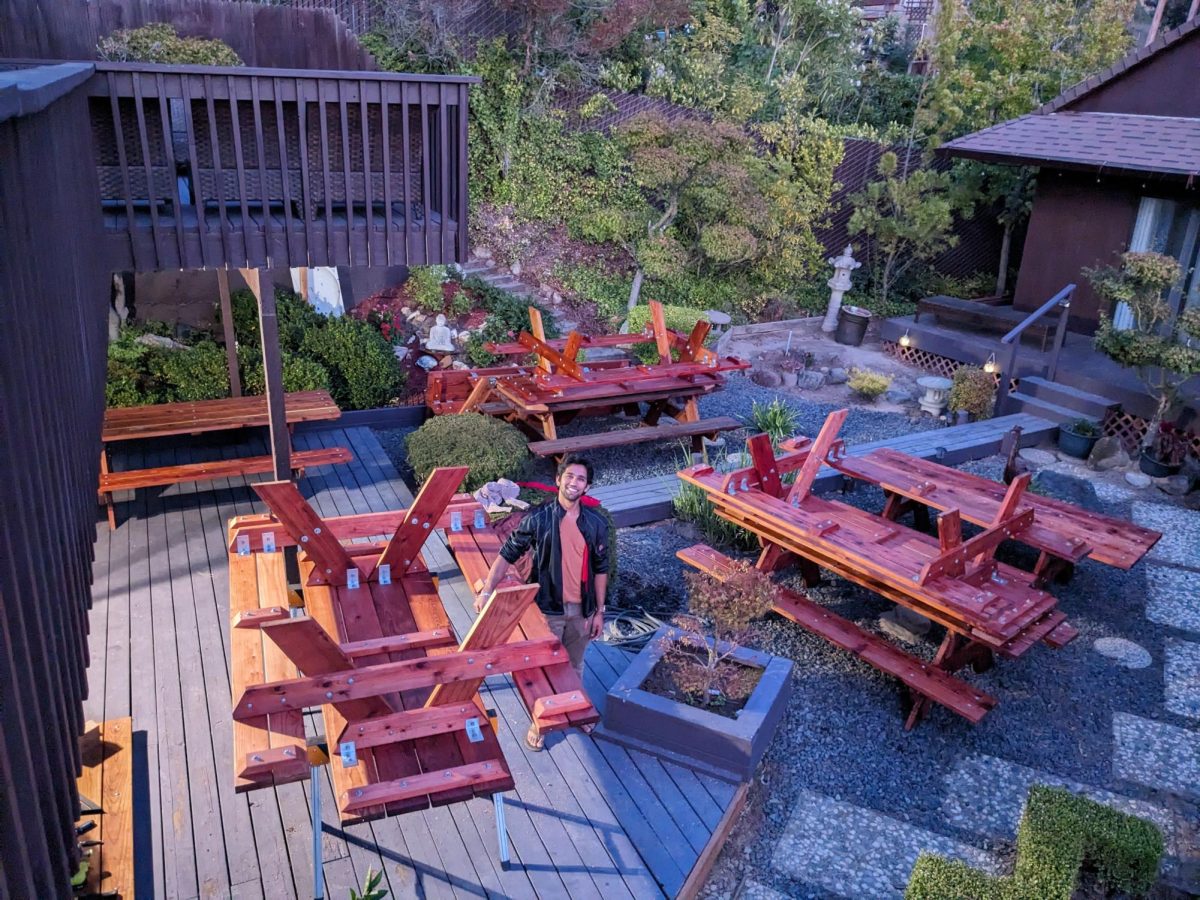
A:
[570, 564]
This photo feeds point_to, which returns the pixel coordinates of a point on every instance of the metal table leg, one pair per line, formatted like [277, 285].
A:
[501, 830]
[318, 873]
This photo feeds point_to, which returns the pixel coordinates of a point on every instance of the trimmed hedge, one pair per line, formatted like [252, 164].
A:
[490, 447]
[1058, 833]
[677, 318]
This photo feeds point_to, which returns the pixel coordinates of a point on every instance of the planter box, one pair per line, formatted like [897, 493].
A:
[729, 749]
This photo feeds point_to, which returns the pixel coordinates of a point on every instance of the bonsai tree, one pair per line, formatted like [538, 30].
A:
[717, 621]
[1159, 348]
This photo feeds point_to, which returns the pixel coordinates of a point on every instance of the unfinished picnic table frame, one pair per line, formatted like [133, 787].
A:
[987, 607]
[199, 417]
[399, 693]
[557, 387]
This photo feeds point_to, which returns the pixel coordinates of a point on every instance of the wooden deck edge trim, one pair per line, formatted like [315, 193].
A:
[708, 856]
[108, 782]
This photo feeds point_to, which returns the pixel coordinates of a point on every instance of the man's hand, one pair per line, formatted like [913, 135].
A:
[481, 600]
[596, 623]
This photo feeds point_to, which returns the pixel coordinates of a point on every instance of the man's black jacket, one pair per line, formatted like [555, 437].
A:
[539, 530]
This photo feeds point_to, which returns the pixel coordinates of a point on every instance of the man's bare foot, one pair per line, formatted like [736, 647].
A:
[534, 740]
[588, 729]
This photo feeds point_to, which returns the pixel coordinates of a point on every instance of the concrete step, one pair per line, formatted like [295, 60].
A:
[1044, 409]
[1084, 402]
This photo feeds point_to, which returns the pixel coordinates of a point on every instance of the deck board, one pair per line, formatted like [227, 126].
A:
[587, 819]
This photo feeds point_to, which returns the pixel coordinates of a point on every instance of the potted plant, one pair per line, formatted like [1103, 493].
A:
[1164, 456]
[1078, 437]
[973, 392]
[694, 694]
[790, 368]
[1161, 347]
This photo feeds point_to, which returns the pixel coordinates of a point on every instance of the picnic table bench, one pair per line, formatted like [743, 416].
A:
[697, 431]
[988, 313]
[1064, 534]
[201, 416]
[987, 607]
[398, 691]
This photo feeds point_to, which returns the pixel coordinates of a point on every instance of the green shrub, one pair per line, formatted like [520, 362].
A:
[159, 43]
[200, 372]
[491, 447]
[691, 504]
[776, 419]
[610, 293]
[424, 286]
[677, 318]
[868, 384]
[508, 316]
[133, 371]
[299, 374]
[973, 390]
[461, 303]
[363, 371]
[1058, 833]
[294, 315]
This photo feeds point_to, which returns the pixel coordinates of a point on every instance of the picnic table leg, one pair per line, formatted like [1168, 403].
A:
[691, 411]
[653, 412]
[106, 496]
[773, 558]
[897, 505]
[633, 410]
[1051, 568]
[546, 426]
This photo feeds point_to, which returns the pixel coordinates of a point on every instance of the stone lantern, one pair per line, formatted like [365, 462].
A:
[838, 285]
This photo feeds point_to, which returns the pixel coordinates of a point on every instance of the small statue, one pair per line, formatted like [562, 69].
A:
[440, 337]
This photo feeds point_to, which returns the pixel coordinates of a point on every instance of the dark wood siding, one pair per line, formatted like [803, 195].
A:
[1167, 84]
[1078, 221]
[262, 35]
[54, 290]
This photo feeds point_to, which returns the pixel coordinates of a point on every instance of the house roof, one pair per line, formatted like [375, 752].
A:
[1113, 142]
[1124, 64]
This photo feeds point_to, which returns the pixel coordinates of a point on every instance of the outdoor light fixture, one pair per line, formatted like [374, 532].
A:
[990, 365]
[905, 340]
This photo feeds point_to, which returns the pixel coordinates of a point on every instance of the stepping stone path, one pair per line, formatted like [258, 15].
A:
[1123, 652]
[1181, 674]
[856, 852]
[986, 796]
[1037, 457]
[1157, 755]
[1180, 543]
[1171, 597]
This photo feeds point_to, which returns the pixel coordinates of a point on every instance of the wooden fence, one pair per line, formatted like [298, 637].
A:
[55, 286]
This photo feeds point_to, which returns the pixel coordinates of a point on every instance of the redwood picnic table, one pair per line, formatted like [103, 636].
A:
[551, 392]
[1064, 534]
[398, 691]
[988, 608]
[201, 416]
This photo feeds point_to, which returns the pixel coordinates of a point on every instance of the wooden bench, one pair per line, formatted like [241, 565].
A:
[984, 314]
[106, 750]
[694, 430]
[920, 677]
[198, 417]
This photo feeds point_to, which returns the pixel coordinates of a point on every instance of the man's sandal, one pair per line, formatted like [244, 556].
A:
[534, 740]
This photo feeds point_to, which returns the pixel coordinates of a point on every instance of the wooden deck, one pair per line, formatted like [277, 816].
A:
[588, 818]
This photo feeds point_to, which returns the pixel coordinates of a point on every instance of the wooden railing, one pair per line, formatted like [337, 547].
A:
[1011, 343]
[202, 167]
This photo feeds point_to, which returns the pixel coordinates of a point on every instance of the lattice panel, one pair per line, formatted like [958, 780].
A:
[932, 362]
[1131, 429]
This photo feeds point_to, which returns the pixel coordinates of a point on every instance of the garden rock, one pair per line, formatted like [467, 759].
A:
[428, 363]
[1123, 652]
[157, 340]
[811, 381]
[838, 375]
[1067, 488]
[905, 625]
[1108, 454]
[1138, 479]
[515, 268]
[1037, 457]
[401, 352]
[766, 378]
[898, 395]
[1175, 485]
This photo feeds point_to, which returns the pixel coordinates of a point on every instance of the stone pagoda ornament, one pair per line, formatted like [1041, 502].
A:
[838, 285]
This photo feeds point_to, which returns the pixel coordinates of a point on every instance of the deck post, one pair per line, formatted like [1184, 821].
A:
[1008, 371]
[235, 381]
[268, 326]
[1060, 335]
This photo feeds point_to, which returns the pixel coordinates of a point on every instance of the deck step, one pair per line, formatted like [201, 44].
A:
[1044, 409]
[1084, 402]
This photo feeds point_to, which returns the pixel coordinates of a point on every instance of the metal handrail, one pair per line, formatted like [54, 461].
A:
[1008, 369]
[1063, 296]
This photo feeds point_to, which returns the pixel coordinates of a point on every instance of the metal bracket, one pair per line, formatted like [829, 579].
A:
[352, 577]
[349, 754]
[243, 545]
[474, 734]
[268, 542]
[456, 521]
[385, 573]
[479, 523]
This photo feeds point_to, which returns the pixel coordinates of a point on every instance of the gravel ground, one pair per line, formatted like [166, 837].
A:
[843, 735]
[620, 464]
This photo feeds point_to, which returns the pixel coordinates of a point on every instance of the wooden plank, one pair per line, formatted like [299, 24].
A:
[708, 857]
[625, 436]
[410, 724]
[816, 456]
[763, 459]
[131, 479]
[399, 643]
[421, 518]
[662, 340]
[538, 330]
[107, 778]
[330, 559]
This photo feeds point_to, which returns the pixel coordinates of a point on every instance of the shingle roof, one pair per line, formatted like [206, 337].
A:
[1125, 63]
[1106, 141]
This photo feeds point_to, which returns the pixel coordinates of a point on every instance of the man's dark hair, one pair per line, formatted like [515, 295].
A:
[573, 459]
